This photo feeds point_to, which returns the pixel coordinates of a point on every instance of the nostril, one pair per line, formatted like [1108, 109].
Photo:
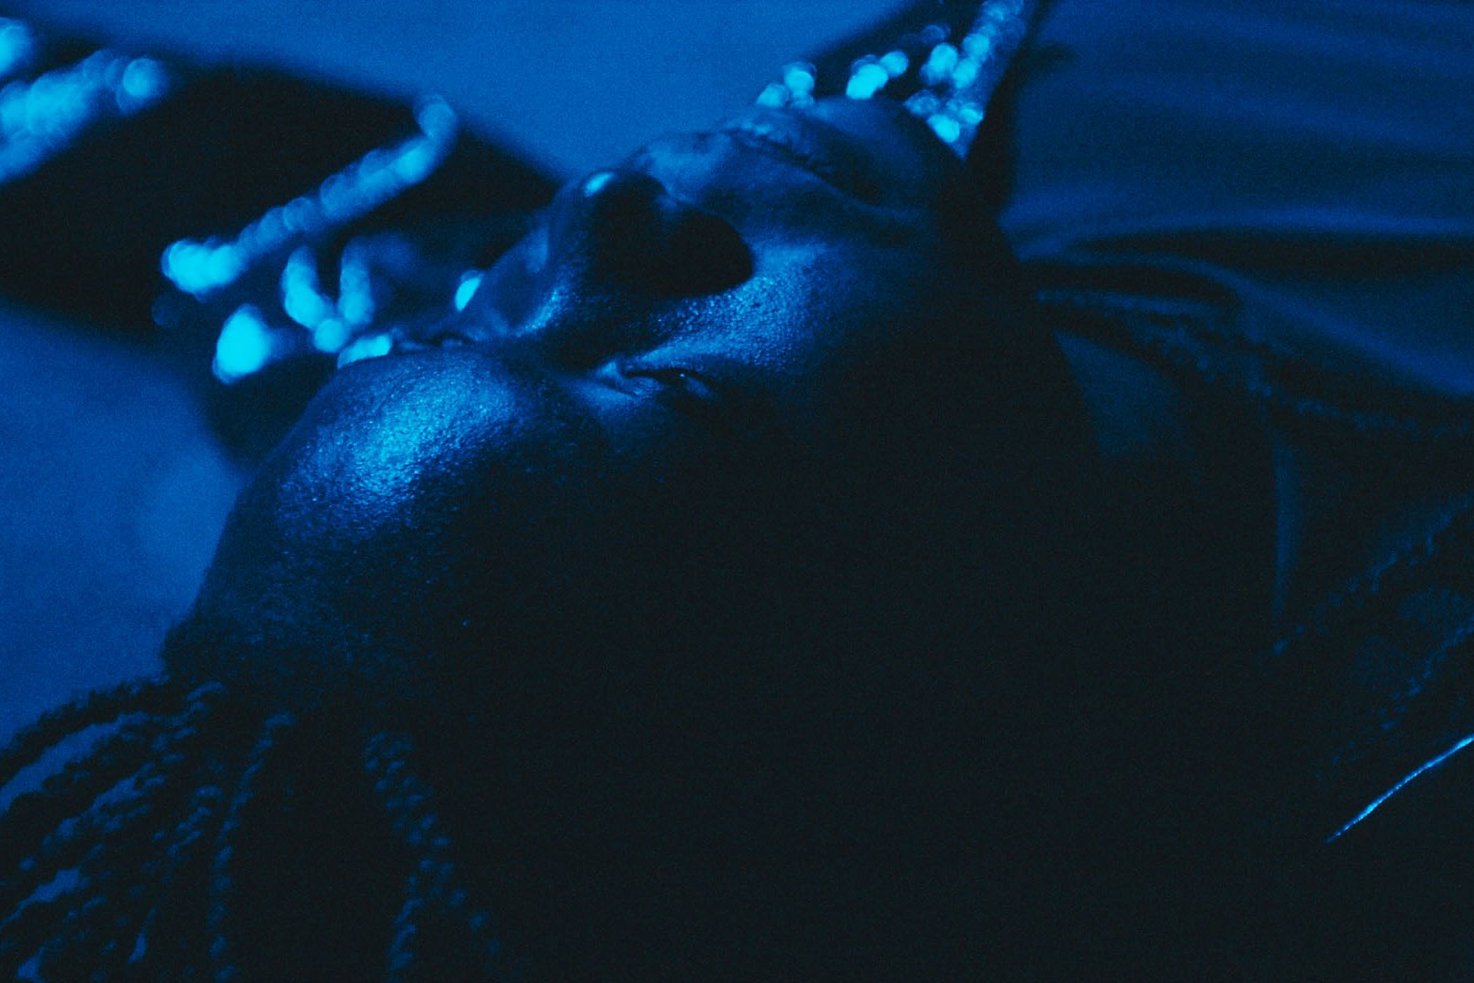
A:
[618, 203]
[705, 255]
[642, 236]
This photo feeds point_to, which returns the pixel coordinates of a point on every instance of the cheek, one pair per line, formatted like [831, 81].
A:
[403, 481]
[368, 474]
[842, 289]
[416, 509]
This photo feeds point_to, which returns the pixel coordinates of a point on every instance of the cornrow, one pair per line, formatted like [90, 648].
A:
[436, 906]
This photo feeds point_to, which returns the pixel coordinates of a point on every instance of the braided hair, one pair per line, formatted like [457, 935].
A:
[174, 846]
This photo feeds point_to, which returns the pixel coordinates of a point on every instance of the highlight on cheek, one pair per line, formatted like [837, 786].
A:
[372, 465]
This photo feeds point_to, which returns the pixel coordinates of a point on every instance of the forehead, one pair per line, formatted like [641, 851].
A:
[876, 153]
[907, 147]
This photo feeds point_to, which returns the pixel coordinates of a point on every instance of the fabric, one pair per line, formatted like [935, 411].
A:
[1315, 159]
[1281, 195]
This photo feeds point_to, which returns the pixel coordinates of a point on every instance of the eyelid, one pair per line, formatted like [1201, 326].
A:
[690, 381]
[678, 388]
[722, 396]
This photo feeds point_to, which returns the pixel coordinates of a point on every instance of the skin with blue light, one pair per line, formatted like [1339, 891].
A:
[736, 570]
[696, 514]
[745, 619]
[790, 306]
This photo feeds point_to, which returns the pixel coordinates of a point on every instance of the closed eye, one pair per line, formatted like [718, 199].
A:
[678, 388]
[681, 382]
[733, 404]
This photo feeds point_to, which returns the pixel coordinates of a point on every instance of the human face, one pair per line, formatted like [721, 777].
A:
[666, 416]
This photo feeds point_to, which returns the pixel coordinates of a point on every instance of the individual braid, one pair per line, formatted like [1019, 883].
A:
[173, 933]
[26, 931]
[148, 877]
[134, 882]
[77, 824]
[106, 852]
[410, 928]
[35, 818]
[437, 910]
[1381, 579]
[110, 901]
[224, 872]
[34, 815]
[98, 707]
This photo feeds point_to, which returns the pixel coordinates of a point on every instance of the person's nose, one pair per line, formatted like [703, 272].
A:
[622, 229]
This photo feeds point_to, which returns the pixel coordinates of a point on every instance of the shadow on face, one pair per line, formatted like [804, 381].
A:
[711, 374]
[709, 498]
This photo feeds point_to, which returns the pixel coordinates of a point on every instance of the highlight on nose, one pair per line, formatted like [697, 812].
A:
[641, 236]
